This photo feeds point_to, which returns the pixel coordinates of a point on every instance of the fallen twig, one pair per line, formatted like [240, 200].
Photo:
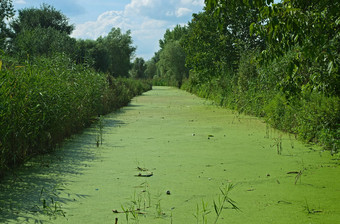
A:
[127, 211]
[144, 175]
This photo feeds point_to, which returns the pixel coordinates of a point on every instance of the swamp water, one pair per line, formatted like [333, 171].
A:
[164, 158]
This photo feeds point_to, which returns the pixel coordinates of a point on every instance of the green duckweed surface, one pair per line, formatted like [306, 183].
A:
[192, 149]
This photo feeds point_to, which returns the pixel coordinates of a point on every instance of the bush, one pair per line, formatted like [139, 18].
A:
[319, 120]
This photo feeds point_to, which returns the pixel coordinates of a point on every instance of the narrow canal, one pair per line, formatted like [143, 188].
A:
[168, 157]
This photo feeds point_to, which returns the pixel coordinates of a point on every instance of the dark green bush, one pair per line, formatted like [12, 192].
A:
[319, 120]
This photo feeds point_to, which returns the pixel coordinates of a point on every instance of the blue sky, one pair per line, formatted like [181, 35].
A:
[147, 19]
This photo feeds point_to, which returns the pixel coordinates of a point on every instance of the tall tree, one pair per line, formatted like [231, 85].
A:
[43, 31]
[309, 29]
[118, 50]
[151, 68]
[176, 33]
[6, 12]
[44, 17]
[172, 62]
[84, 51]
[170, 59]
[138, 68]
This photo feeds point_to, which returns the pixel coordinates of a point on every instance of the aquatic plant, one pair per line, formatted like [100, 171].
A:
[278, 144]
[203, 213]
[48, 203]
[223, 199]
[310, 210]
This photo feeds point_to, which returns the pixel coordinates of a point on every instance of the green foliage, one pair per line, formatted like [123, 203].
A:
[278, 61]
[44, 96]
[6, 12]
[279, 112]
[309, 30]
[43, 42]
[138, 69]
[84, 51]
[151, 69]
[201, 47]
[217, 38]
[176, 34]
[172, 62]
[41, 32]
[120, 52]
[110, 54]
[43, 102]
[319, 119]
[45, 17]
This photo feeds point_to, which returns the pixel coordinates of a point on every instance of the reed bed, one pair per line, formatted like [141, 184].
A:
[45, 101]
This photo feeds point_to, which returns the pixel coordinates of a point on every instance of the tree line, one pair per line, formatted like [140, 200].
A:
[279, 61]
[45, 31]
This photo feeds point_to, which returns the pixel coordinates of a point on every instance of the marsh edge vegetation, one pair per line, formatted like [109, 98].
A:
[145, 205]
[44, 102]
[276, 60]
[52, 85]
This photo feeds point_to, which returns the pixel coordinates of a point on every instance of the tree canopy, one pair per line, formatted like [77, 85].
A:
[44, 17]
[138, 68]
[6, 12]
[170, 59]
[41, 31]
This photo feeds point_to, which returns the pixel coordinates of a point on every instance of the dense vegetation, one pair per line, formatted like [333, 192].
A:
[277, 61]
[167, 67]
[52, 85]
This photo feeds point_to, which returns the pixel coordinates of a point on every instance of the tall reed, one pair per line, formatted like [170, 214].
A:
[45, 101]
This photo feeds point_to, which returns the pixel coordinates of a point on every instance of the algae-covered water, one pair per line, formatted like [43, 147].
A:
[164, 159]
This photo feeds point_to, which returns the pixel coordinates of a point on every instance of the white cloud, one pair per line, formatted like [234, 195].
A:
[183, 12]
[100, 27]
[147, 20]
[193, 2]
[22, 2]
[142, 7]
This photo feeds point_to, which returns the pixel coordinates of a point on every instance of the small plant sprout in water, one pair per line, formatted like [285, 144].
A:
[137, 201]
[100, 130]
[48, 204]
[202, 213]
[126, 211]
[291, 142]
[278, 144]
[267, 131]
[311, 210]
[223, 200]
[159, 211]
[219, 205]
[298, 177]
[135, 213]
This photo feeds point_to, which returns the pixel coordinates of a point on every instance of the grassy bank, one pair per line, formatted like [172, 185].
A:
[311, 114]
[44, 102]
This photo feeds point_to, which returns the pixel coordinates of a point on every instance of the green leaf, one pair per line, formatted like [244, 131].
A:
[330, 67]
[251, 29]
[215, 207]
